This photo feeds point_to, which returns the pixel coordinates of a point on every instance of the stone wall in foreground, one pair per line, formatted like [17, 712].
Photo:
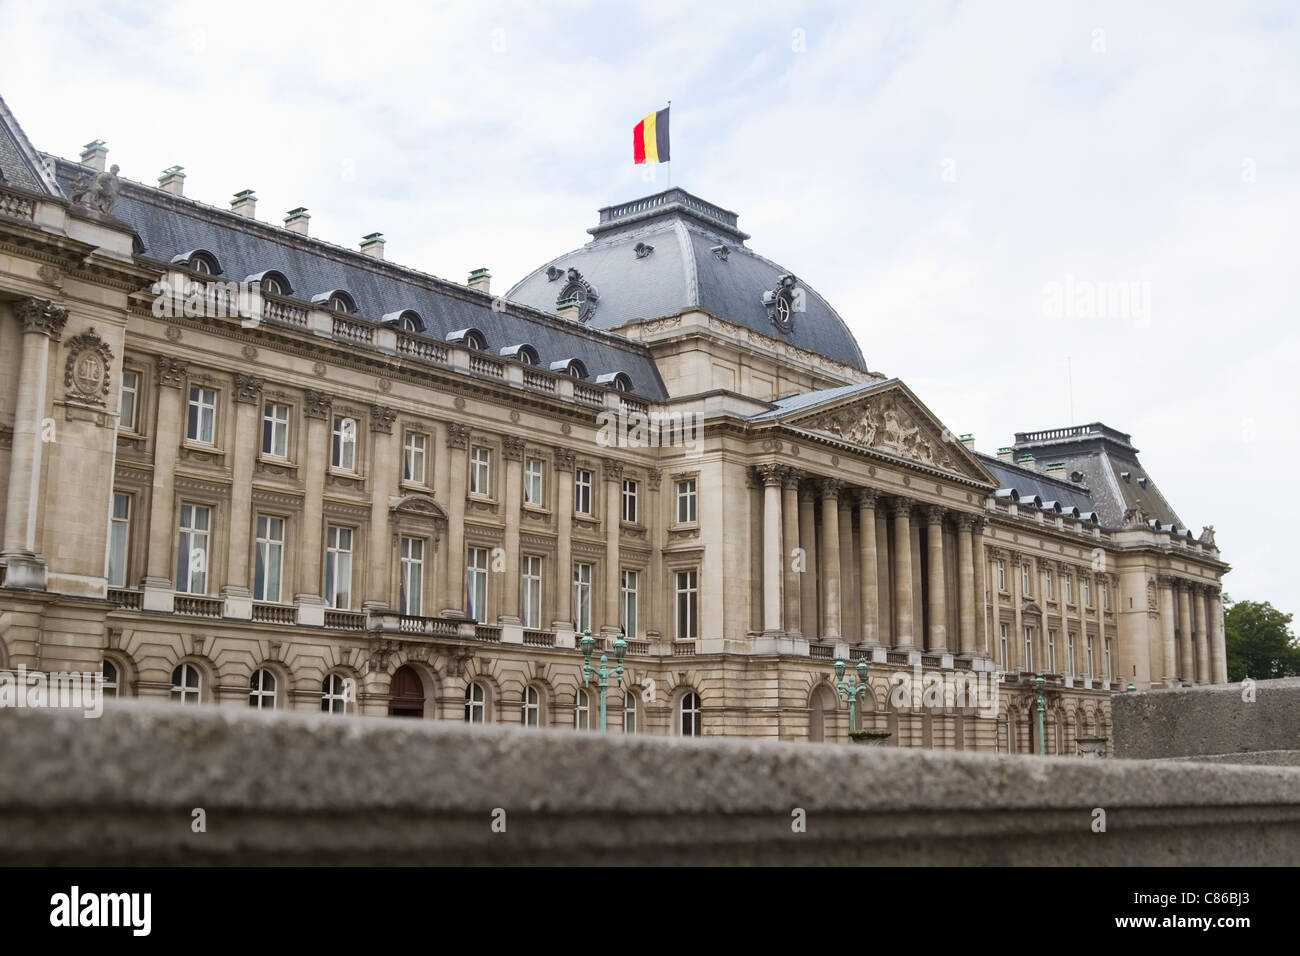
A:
[320, 789]
[1232, 723]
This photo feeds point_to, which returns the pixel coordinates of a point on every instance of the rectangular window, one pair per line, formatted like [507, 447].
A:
[1005, 648]
[533, 482]
[1047, 590]
[1105, 597]
[1087, 593]
[1024, 579]
[1109, 672]
[1067, 583]
[531, 591]
[476, 583]
[686, 501]
[1002, 575]
[411, 585]
[202, 425]
[192, 550]
[1069, 653]
[1051, 652]
[127, 398]
[338, 567]
[269, 559]
[629, 712]
[629, 501]
[344, 453]
[582, 492]
[480, 471]
[1029, 649]
[414, 450]
[582, 597]
[119, 540]
[686, 586]
[629, 586]
[275, 430]
[1089, 661]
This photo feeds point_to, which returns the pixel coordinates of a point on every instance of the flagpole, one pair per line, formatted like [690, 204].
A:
[669, 164]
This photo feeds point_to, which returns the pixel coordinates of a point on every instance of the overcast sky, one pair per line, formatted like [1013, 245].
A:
[938, 171]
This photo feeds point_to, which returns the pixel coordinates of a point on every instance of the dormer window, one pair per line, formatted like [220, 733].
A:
[572, 367]
[272, 286]
[337, 300]
[524, 354]
[472, 339]
[271, 281]
[200, 261]
[201, 266]
[339, 304]
[620, 381]
[474, 342]
[782, 303]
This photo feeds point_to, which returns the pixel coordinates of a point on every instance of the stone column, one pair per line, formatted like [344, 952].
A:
[243, 452]
[904, 638]
[43, 322]
[316, 409]
[850, 616]
[770, 476]
[980, 586]
[938, 602]
[458, 469]
[829, 561]
[1187, 666]
[966, 584]
[613, 499]
[884, 614]
[564, 462]
[791, 579]
[1168, 641]
[512, 501]
[159, 588]
[1016, 639]
[378, 581]
[1218, 649]
[868, 573]
[808, 584]
[1198, 597]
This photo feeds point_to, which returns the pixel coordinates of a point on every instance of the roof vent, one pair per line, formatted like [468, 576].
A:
[721, 252]
[1076, 477]
[297, 220]
[1056, 466]
[1124, 475]
[373, 245]
[481, 280]
[172, 180]
[1142, 482]
[95, 154]
[643, 249]
[244, 204]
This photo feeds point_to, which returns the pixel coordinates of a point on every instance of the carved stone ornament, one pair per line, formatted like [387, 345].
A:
[85, 375]
[41, 315]
[783, 302]
[381, 419]
[514, 448]
[248, 388]
[1207, 536]
[564, 459]
[457, 435]
[579, 288]
[97, 193]
[885, 425]
[643, 249]
[317, 404]
[171, 371]
[553, 273]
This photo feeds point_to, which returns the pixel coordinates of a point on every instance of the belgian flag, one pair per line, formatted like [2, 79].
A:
[650, 139]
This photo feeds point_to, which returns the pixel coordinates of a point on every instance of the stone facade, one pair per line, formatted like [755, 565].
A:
[273, 498]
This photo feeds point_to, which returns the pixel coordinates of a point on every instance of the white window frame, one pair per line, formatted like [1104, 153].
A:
[202, 410]
[534, 482]
[1091, 671]
[476, 583]
[582, 491]
[689, 707]
[415, 457]
[1071, 638]
[480, 471]
[1105, 597]
[686, 598]
[1110, 673]
[1002, 575]
[630, 509]
[582, 710]
[1051, 652]
[629, 593]
[1005, 646]
[340, 546]
[629, 711]
[193, 549]
[1087, 592]
[260, 696]
[119, 540]
[128, 398]
[530, 709]
[268, 556]
[475, 703]
[188, 689]
[1048, 591]
[334, 696]
[1024, 580]
[687, 501]
[411, 590]
[582, 578]
[112, 682]
[530, 590]
[344, 444]
[1029, 649]
[1067, 587]
[275, 430]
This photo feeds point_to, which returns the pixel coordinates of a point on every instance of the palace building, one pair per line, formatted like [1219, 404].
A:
[247, 467]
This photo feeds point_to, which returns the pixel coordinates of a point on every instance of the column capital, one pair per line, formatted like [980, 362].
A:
[457, 435]
[867, 498]
[381, 419]
[565, 458]
[514, 448]
[978, 523]
[318, 404]
[790, 478]
[964, 521]
[769, 474]
[807, 493]
[171, 371]
[934, 514]
[1182, 584]
[248, 388]
[1166, 580]
[613, 469]
[41, 316]
[830, 488]
[901, 507]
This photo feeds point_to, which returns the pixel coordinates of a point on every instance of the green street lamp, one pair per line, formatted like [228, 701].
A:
[1040, 682]
[588, 644]
[851, 690]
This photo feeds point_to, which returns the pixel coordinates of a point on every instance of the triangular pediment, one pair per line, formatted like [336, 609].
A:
[891, 420]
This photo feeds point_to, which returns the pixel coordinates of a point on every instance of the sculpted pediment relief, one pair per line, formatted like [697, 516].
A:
[892, 424]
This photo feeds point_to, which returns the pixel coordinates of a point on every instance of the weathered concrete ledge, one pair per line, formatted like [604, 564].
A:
[319, 789]
[1206, 721]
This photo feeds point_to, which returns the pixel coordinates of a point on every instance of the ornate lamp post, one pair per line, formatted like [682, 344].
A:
[1039, 683]
[588, 644]
[851, 690]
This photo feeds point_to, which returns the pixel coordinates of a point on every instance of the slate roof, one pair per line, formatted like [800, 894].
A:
[795, 404]
[170, 226]
[20, 164]
[1028, 483]
[684, 272]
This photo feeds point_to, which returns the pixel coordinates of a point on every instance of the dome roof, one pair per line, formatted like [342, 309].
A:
[673, 252]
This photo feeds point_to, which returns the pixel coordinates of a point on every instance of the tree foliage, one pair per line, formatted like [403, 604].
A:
[1260, 643]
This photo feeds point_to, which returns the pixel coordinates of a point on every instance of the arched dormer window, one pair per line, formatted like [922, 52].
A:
[200, 261]
[338, 300]
[406, 320]
[524, 354]
[572, 367]
[271, 281]
[472, 339]
[616, 380]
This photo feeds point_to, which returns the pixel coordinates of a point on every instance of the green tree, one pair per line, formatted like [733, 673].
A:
[1259, 641]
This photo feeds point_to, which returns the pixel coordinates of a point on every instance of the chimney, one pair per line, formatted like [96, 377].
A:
[95, 154]
[1005, 454]
[481, 279]
[373, 245]
[1026, 461]
[172, 180]
[297, 220]
[568, 309]
[968, 441]
[244, 204]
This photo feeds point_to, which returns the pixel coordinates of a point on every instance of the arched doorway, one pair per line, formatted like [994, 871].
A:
[821, 719]
[406, 694]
